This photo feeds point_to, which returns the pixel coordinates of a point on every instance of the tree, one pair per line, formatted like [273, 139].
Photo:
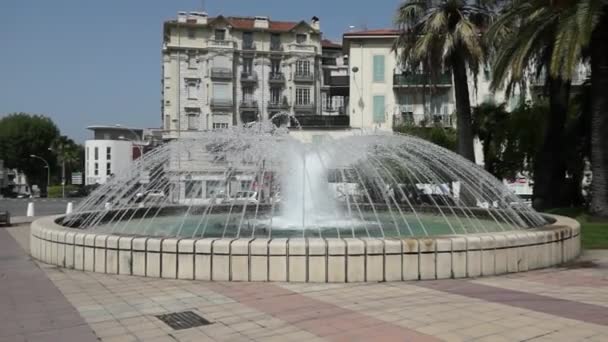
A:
[68, 154]
[558, 36]
[22, 135]
[525, 35]
[437, 35]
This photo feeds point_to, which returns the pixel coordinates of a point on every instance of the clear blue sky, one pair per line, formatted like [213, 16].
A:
[84, 62]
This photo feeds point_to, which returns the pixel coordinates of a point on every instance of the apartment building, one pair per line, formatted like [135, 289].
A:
[383, 96]
[222, 71]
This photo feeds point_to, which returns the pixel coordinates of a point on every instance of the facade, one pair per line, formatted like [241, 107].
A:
[335, 87]
[383, 96]
[111, 151]
[223, 71]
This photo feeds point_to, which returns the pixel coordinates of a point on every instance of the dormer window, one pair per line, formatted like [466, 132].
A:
[300, 38]
[220, 34]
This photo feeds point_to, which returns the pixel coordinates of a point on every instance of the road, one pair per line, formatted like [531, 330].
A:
[42, 206]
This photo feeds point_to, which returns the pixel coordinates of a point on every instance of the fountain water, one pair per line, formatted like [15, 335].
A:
[253, 203]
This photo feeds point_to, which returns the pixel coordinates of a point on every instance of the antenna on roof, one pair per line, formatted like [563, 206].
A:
[203, 5]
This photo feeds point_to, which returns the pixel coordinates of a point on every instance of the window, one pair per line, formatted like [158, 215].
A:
[194, 189]
[108, 153]
[275, 41]
[221, 91]
[248, 65]
[167, 122]
[96, 169]
[191, 33]
[246, 185]
[220, 34]
[87, 155]
[378, 69]
[275, 95]
[275, 66]
[213, 189]
[96, 153]
[192, 115]
[303, 96]
[300, 38]
[247, 94]
[379, 116]
[108, 169]
[327, 101]
[303, 67]
[191, 88]
[220, 125]
[247, 40]
[192, 61]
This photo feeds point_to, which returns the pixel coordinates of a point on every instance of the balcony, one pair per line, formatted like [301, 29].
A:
[275, 105]
[321, 121]
[423, 120]
[338, 81]
[225, 104]
[276, 47]
[421, 80]
[302, 48]
[304, 107]
[301, 77]
[249, 105]
[276, 78]
[335, 110]
[249, 77]
[249, 46]
[221, 73]
[220, 44]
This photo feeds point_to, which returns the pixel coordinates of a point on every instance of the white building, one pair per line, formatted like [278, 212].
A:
[112, 150]
[222, 71]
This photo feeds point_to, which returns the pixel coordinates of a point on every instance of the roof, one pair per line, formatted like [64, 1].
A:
[117, 128]
[247, 23]
[326, 43]
[373, 33]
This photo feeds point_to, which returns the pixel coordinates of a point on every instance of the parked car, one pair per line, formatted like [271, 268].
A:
[150, 195]
[244, 197]
[5, 217]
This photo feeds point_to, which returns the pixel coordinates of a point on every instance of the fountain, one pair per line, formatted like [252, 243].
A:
[254, 204]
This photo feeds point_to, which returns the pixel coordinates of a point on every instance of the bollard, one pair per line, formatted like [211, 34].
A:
[108, 206]
[30, 209]
[69, 208]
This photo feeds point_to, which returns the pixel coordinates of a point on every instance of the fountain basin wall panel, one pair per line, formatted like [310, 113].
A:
[315, 260]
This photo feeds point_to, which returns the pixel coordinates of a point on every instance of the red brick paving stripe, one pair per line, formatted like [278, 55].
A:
[315, 316]
[589, 313]
[31, 307]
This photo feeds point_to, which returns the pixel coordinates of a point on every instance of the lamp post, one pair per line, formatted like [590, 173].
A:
[62, 170]
[48, 171]
[134, 141]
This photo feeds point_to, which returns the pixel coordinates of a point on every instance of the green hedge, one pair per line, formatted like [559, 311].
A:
[55, 190]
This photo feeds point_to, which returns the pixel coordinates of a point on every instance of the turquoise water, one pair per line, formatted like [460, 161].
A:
[365, 225]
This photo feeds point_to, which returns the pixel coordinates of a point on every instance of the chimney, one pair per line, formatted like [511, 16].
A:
[315, 23]
[181, 17]
[199, 17]
[261, 22]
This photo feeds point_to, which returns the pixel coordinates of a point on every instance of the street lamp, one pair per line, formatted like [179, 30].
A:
[62, 171]
[134, 141]
[48, 172]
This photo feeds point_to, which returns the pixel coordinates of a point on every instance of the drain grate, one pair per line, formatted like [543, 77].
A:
[183, 320]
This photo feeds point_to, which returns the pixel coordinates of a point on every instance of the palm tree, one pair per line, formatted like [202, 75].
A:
[445, 35]
[525, 37]
[553, 35]
[67, 152]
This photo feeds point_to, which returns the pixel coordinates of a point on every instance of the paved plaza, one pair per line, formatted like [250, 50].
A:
[45, 303]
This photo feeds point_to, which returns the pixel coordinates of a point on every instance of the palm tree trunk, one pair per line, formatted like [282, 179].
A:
[599, 121]
[549, 169]
[463, 107]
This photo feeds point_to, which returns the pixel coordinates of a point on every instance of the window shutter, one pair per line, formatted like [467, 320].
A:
[379, 68]
[221, 92]
[379, 109]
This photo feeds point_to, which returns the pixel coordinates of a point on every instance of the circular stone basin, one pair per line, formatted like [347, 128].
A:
[108, 249]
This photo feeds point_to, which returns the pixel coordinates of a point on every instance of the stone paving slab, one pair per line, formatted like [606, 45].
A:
[31, 306]
[123, 308]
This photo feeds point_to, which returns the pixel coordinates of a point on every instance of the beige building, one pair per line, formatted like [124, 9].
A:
[222, 71]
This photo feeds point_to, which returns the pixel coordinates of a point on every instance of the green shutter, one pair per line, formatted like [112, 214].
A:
[379, 68]
[379, 109]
